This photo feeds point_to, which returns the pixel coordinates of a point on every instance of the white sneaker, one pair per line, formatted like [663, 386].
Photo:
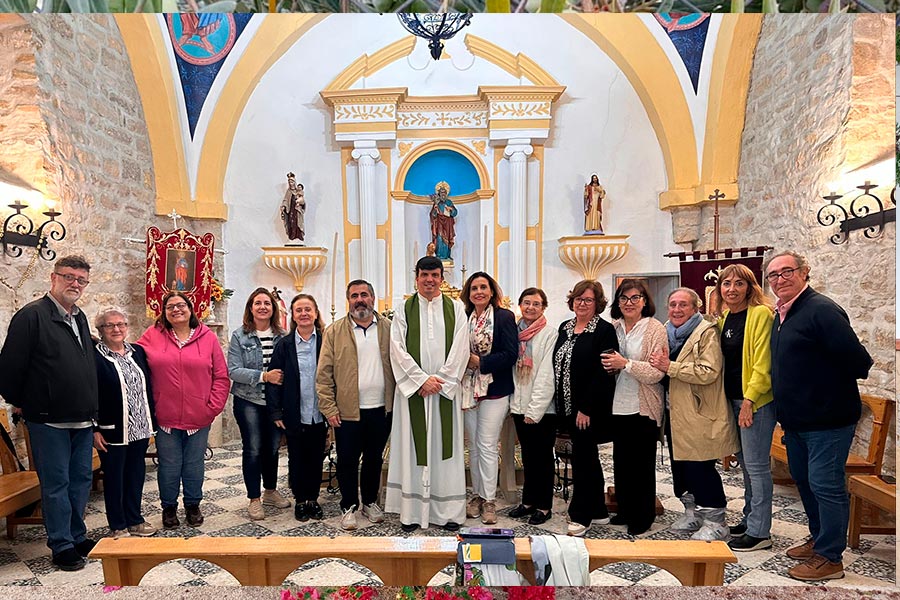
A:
[711, 532]
[348, 521]
[373, 513]
[687, 522]
[577, 529]
[274, 498]
[603, 521]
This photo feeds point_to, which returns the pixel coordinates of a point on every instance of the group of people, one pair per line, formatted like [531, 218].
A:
[441, 372]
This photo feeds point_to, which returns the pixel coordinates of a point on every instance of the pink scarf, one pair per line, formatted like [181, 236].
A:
[525, 362]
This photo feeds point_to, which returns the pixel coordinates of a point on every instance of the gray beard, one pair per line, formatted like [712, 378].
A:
[361, 314]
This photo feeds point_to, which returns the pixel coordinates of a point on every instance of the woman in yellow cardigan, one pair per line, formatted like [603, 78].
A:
[746, 328]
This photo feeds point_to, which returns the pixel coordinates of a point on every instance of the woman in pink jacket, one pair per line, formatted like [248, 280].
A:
[190, 386]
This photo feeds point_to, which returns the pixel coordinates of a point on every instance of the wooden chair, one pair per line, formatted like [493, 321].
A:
[870, 464]
[20, 491]
[875, 491]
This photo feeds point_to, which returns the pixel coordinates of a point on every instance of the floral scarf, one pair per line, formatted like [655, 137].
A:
[481, 340]
[525, 363]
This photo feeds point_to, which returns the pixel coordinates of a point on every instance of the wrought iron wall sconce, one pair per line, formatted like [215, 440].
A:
[19, 231]
[434, 27]
[867, 212]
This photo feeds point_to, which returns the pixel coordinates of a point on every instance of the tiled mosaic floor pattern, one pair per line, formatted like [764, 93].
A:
[26, 561]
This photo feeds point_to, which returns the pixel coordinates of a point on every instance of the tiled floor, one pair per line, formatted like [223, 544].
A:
[26, 560]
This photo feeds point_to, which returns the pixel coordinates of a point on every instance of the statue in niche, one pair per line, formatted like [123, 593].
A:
[293, 207]
[593, 206]
[443, 220]
[429, 249]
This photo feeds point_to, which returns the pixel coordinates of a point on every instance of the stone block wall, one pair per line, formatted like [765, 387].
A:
[72, 126]
[816, 111]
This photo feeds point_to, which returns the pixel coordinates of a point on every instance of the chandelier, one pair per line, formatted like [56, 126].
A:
[434, 27]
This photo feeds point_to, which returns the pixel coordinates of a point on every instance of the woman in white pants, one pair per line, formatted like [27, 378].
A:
[486, 387]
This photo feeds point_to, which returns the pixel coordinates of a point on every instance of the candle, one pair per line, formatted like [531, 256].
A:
[464, 254]
[485, 265]
[415, 250]
[333, 268]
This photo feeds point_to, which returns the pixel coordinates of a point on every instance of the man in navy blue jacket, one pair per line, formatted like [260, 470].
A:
[816, 361]
[47, 373]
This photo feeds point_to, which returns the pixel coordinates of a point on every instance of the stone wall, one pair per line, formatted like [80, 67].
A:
[815, 112]
[73, 127]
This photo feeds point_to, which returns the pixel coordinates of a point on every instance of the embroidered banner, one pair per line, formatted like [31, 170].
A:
[700, 270]
[179, 261]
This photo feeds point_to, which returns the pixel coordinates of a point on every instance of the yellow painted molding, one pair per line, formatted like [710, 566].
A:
[366, 65]
[628, 42]
[521, 93]
[146, 49]
[425, 134]
[394, 96]
[728, 90]
[698, 195]
[379, 127]
[531, 234]
[520, 123]
[517, 65]
[273, 38]
[485, 194]
[454, 145]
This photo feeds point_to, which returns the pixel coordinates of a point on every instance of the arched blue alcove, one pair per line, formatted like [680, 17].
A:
[442, 165]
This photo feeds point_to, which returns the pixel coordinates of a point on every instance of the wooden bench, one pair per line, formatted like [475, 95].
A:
[396, 561]
[882, 412]
[874, 490]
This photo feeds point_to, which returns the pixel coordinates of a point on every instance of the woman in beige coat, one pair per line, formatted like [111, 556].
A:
[701, 428]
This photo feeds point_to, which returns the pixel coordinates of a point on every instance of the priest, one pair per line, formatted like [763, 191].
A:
[429, 349]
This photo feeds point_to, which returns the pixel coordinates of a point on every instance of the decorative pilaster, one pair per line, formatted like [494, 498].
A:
[366, 154]
[517, 151]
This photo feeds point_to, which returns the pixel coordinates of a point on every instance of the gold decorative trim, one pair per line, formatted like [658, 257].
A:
[520, 124]
[525, 110]
[699, 195]
[381, 126]
[518, 65]
[520, 93]
[365, 112]
[419, 134]
[404, 148]
[366, 65]
[480, 146]
[391, 96]
[431, 119]
[456, 146]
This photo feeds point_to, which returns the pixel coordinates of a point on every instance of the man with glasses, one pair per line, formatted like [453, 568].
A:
[816, 360]
[47, 373]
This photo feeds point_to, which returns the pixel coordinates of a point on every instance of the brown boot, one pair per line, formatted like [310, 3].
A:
[803, 551]
[489, 512]
[817, 568]
[473, 508]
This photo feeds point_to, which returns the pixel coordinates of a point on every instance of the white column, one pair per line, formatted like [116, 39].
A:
[517, 151]
[366, 154]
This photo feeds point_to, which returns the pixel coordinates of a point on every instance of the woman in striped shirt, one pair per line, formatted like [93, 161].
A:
[248, 358]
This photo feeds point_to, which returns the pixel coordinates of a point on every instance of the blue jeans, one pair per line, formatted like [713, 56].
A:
[817, 460]
[181, 462]
[260, 438]
[756, 443]
[62, 459]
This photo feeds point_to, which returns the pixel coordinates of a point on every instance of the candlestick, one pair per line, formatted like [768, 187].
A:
[333, 272]
[416, 250]
[464, 256]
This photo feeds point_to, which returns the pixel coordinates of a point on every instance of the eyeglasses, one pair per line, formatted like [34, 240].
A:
[114, 326]
[73, 279]
[786, 274]
[584, 300]
[631, 299]
[178, 306]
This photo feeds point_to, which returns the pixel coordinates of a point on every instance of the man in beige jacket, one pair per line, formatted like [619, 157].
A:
[355, 385]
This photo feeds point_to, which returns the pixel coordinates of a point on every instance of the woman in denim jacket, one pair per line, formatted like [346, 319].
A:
[248, 356]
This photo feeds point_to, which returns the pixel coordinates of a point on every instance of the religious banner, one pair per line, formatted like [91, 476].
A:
[179, 261]
[700, 270]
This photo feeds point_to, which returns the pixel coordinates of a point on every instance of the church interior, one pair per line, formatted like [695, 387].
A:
[557, 148]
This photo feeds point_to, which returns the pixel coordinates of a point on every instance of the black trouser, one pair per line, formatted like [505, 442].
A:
[588, 494]
[698, 477]
[367, 438]
[306, 454]
[123, 483]
[536, 441]
[634, 469]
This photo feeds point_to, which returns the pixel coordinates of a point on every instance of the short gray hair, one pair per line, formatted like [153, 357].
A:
[695, 297]
[100, 319]
[801, 261]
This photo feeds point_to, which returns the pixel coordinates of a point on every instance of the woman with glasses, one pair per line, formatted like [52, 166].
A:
[125, 422]
[486, 388]
[746, 331]
[533, 412]
[248, 359]
[584, 395]
[637, 410]
[190, 387]
[294, 406]
[701, 429]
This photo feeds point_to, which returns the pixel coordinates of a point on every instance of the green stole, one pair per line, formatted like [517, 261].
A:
[416, 402]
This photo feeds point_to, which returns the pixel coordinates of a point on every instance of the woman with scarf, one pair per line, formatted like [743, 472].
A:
[701, 428]
[532, 407]
[637, 410]
[486, 387]
[584, 395]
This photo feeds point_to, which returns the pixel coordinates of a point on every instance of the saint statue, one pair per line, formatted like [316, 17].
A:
[443, 220]
[293, 208]
[593, 206]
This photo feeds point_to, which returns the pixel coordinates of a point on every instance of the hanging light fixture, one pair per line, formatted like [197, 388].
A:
[867, 212]
[434, 27]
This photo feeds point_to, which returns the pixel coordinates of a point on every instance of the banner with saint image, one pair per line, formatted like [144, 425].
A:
[700, 270]
[179, 261]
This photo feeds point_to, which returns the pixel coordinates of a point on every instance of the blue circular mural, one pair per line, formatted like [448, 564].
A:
[202, 38]
[442, 165]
